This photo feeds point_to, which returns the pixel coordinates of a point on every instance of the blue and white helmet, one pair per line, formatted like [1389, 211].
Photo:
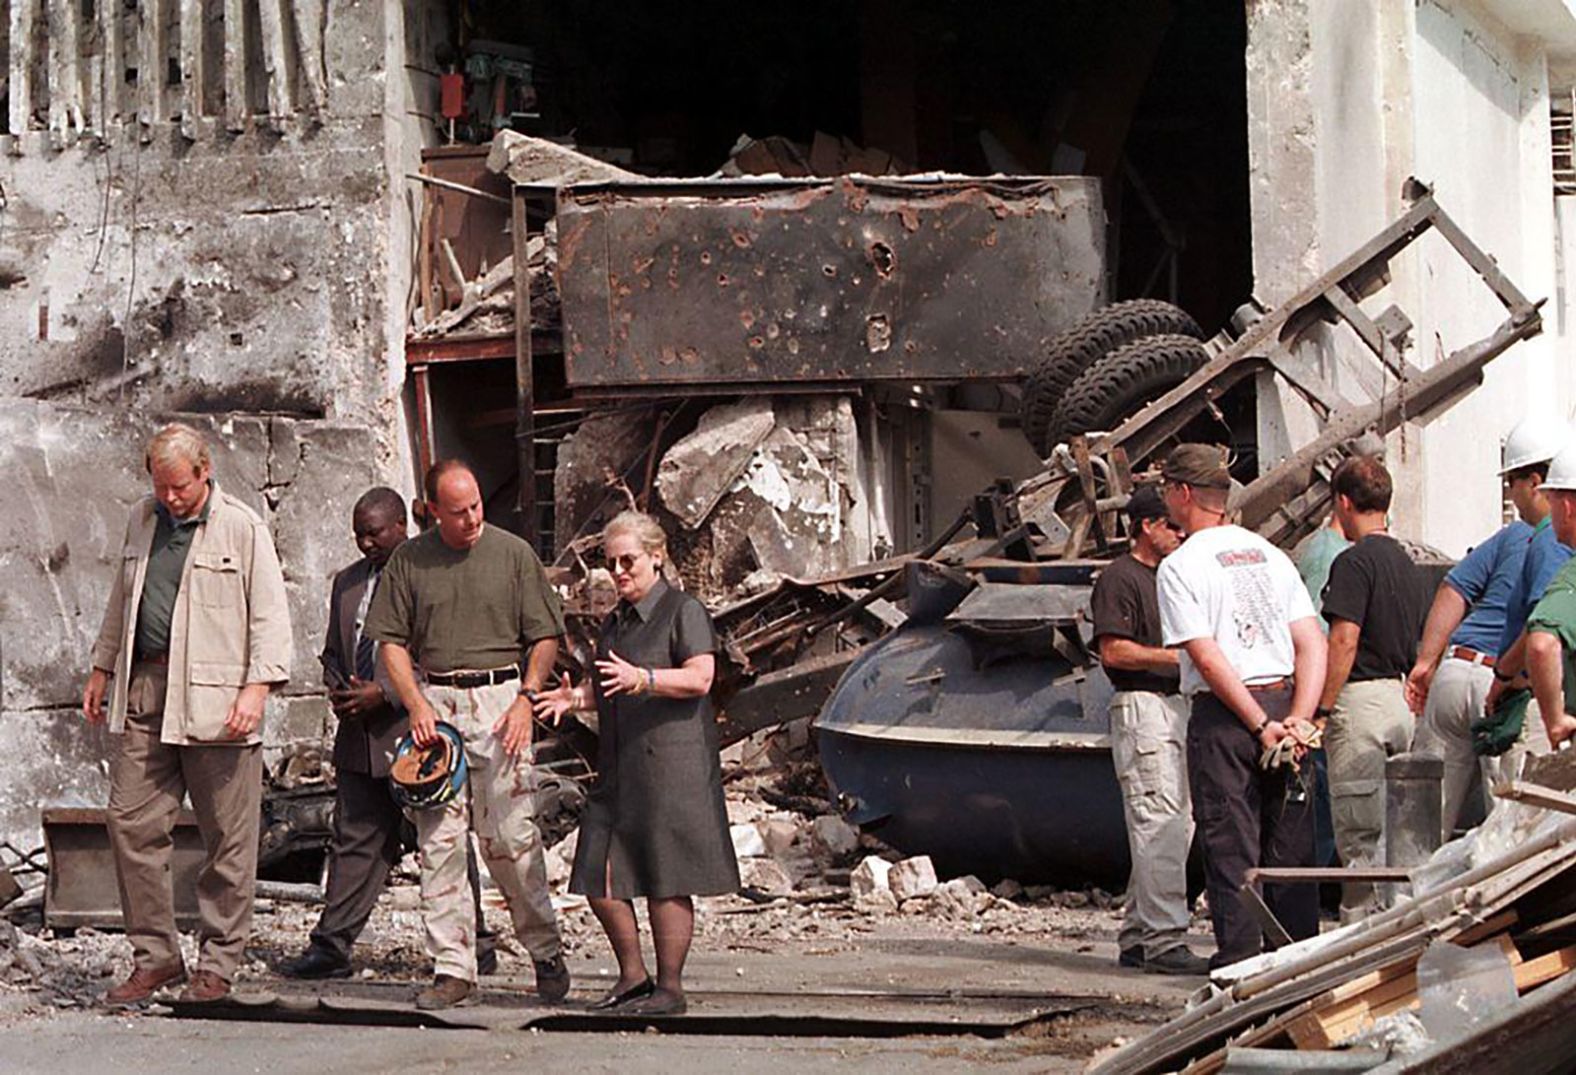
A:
[422, 778]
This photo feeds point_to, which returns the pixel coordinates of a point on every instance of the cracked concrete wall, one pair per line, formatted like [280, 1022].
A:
[251, 283]
[1345, 101]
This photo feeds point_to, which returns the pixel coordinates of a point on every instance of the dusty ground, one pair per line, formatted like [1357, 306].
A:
[825, 960]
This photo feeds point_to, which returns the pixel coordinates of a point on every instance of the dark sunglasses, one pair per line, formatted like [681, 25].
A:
[627, 562]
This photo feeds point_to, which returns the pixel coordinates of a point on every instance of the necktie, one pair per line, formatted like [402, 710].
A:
[365, 647]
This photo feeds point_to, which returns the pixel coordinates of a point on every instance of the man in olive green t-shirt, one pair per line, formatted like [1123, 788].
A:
[1551, 628]
[464, 602]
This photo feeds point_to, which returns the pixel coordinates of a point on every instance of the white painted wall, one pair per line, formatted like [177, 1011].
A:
[1347, 98]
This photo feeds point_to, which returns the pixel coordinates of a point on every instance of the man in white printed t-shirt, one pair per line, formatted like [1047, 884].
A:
[1252, 662]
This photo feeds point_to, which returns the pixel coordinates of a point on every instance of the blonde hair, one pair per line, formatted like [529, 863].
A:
[177, 443]
[645, 529]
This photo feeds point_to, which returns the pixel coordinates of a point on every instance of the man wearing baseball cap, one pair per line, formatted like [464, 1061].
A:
[1253, 661]
[1148, 743]
[1551, 628]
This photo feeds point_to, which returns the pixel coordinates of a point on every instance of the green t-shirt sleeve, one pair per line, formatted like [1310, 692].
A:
[541, 612]
[390, 618]
[1555, 612]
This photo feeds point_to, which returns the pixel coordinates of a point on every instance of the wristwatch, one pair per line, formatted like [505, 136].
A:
[529, 694]
[1265, 723]
[1323, 712]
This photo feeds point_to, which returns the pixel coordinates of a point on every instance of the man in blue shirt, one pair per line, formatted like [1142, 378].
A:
[1481, 609]
[1455, 662]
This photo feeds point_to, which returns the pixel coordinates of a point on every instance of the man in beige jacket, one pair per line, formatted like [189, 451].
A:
[196, 634]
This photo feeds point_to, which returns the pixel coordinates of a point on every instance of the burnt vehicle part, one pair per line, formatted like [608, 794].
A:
[732, 285]
[82, 890]
[983, 739]
[963, 740]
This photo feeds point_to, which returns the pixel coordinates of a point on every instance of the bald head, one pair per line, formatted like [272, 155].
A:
[455, 500]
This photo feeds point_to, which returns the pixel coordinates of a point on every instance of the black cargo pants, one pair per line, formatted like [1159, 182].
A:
[1247, 817]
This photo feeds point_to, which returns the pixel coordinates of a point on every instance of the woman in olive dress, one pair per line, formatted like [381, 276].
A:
[655, 824]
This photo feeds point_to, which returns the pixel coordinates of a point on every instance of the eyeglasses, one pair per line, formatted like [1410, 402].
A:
[625, 563]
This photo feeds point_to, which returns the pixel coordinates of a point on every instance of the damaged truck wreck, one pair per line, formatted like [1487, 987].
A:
[958, 709]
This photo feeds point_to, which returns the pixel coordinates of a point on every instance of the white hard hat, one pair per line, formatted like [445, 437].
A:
[1562, 470]
[1534, 440]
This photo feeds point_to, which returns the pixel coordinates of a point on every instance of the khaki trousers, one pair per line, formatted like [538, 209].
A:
[148, 780]
[1149, 747]
[1455, 700]
[499, 801]
[1371, 722]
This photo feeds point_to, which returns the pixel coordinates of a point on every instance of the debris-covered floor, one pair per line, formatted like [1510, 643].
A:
[818, 960]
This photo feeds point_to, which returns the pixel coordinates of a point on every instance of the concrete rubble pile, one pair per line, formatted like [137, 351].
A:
[1473, 963]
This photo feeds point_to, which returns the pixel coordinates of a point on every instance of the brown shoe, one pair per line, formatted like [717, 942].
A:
[205, 988]
[552, 979]
[143, 983]
[446, 992]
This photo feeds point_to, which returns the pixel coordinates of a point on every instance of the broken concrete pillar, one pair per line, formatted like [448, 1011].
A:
[912, 878]
[700, 468]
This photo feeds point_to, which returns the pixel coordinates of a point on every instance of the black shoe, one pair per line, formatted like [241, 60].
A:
[552, 979]
[315, 963]
[613, 1000]
[487, 960]
[660, 1002]
[1177, 961]
[1131, 957]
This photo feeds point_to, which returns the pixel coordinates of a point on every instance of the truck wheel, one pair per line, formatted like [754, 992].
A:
[1118, 385]
[1071, 353]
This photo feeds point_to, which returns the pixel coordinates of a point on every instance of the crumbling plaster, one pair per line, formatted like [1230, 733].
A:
[252, 283]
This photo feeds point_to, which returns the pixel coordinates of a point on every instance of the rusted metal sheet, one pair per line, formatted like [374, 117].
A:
[754, 281]
[82, 889]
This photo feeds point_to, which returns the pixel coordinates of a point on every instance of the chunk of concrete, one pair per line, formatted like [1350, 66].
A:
[700, 468]
[766, 875]
[747, 842]
[834, 837]
[879, 902]
[869, 877]
[1007, 889]
[777, 833]
[536, 160]
[913, 878]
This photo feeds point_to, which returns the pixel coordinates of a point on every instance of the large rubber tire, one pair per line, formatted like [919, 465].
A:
[1068, 355]
[1118, 385]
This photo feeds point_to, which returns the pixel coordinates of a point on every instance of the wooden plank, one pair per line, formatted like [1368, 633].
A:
[150, 62]
[65, 70]
[23, 13]
[308, 26]
[112, 68]
[524, 375]
[1545, 968]
[191, 67]
[1537, 795]
[235, 106]
[272, 27]
[1487, 928]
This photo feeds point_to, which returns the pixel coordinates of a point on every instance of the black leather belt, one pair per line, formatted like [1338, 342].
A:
[472, 680]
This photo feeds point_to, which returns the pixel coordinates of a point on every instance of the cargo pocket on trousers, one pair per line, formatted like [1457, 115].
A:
[211, 690]
[1357, 808]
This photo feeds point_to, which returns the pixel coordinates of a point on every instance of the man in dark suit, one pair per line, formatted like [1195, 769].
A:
[367, 820]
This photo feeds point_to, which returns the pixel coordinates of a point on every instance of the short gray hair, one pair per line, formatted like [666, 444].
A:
[646, 530]
[177, 443]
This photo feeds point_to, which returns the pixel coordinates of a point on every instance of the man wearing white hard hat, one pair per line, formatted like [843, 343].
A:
[1456, 660]
[1551, 629]
[1546, 554]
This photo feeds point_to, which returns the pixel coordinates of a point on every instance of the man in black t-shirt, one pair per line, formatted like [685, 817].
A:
[1148, 744]
[1376, 601]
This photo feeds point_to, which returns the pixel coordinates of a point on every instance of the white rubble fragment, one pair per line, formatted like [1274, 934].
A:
[869, 877]
[777, 833]
[834, 836]
[879, 902]
[747, 842]
[765, 874]
[912, 878]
